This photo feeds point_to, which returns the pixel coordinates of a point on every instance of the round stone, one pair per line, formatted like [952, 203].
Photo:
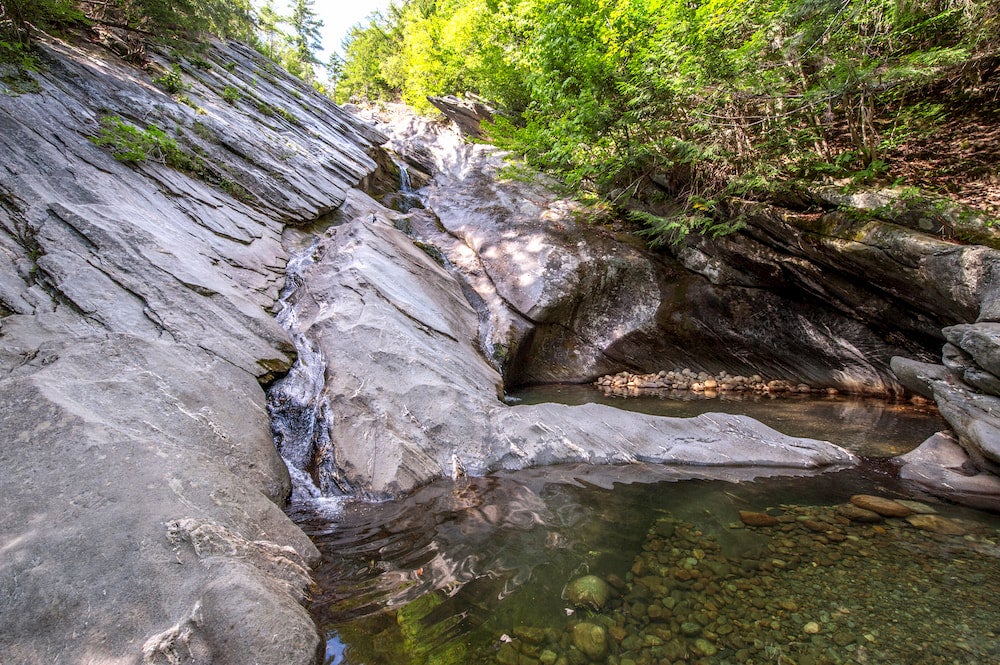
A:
[937, 524]
[690, 629]
[591, 639]
[856, 514]
[810, 628]
[917, 507]
[751, 518]
[704, 648]
[588, 591]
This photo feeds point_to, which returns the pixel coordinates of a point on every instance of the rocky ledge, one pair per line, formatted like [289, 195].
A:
[414, 399]
[963, 464]
[142, 494]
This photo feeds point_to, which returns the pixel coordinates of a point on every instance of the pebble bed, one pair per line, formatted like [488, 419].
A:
[626, 383]
[870, 582]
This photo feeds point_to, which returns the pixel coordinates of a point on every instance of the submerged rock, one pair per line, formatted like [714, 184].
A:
[588, 591]
[881, 505]
[751, 518]
[937, 524]
[856, 514]
[591, 639]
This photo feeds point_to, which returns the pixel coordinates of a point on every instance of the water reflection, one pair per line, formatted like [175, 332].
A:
[475, 571]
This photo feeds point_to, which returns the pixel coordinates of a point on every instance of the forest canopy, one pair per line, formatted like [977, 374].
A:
[291, 40]
[689, 100]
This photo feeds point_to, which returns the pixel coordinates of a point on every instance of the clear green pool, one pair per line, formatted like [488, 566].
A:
[476, 572]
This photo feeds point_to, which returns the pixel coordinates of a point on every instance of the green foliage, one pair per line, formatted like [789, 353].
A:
[128, 143]
[138, 19]
[231, 94]
[171, 80]
[270, 110]
[680, 99]
[673, 229]
[291, 41]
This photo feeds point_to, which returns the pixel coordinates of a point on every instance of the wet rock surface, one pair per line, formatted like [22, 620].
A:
[415, 399]
[141, 489]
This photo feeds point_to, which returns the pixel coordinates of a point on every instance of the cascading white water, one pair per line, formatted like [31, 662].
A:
[406, 198]
[298, 407]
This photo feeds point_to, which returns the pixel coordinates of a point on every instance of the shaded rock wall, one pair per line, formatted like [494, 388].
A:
[140, 485]
[412, 398]
[826, 298]
[964, 464]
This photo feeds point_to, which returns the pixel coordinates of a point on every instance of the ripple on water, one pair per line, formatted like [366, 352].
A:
[476, 573]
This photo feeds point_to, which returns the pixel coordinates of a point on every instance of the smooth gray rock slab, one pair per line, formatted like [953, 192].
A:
[981, 341]
[140, 520]
[917, 376]
[976, 420]
[941, 467]
[599, 434]
[964, 366]
[140, 487]
[413, 398]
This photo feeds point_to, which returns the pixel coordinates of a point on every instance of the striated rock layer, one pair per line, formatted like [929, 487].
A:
[823, 298]
[140, 485]
[413, 398]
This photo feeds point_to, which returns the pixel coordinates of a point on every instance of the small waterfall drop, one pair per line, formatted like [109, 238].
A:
[406, 198]
[299, 409]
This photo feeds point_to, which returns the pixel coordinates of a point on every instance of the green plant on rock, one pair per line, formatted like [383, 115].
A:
[232, 94]
[171, 80]
[128, 143]
[672, 229]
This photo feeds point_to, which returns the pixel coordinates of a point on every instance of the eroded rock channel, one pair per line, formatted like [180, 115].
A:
[142, 488]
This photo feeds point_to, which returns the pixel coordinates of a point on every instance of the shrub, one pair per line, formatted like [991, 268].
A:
[128, 143]
[231, 94]
[171, 80]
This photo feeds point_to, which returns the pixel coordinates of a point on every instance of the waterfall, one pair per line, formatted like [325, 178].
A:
[406, 199]
[299, 410]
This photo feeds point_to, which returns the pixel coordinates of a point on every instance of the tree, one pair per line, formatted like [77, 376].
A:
[667, 107]
[306, 37]
[268, 21]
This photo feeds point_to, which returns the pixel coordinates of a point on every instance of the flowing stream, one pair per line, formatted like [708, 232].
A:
[487, 570]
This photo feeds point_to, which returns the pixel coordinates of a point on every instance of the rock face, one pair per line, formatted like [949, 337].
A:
[414, 399]
[966, 388]
[140, 485]
[468, 114]
[808, 298]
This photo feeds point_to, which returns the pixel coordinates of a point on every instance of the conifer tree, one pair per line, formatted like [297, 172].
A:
[306, 28]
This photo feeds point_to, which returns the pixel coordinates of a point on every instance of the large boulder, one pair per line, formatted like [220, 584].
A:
[959, 465]
[467, 113]
[941, 466]
[141, 488]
